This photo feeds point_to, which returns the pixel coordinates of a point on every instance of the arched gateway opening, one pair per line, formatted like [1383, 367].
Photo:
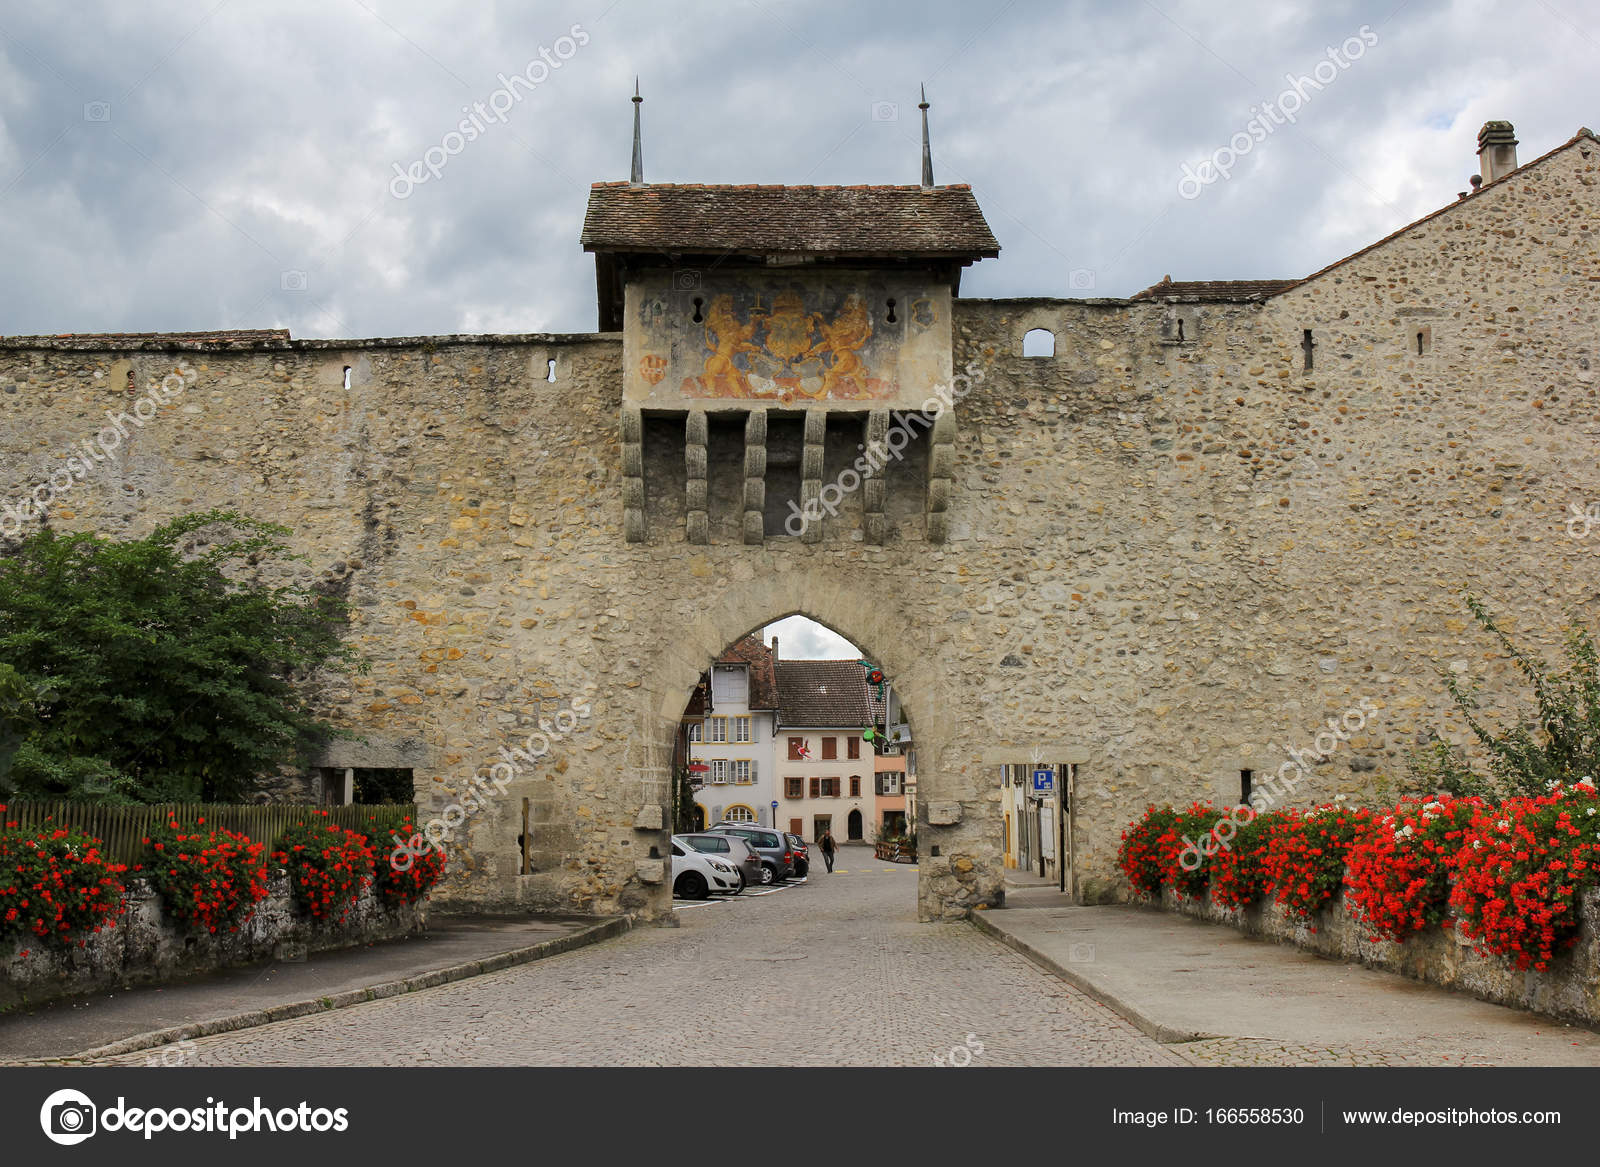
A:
[948, 809]
[795, 760]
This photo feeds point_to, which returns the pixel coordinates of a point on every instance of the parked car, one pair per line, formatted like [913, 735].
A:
[730, 847]
[695, 875]
[777, 857]
[802, 855]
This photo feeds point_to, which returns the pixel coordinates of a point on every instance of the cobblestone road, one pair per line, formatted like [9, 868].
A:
[833, 972]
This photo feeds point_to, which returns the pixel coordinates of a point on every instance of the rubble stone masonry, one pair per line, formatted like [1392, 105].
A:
[1166, 560]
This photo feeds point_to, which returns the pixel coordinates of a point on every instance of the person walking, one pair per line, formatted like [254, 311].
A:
[827, 850]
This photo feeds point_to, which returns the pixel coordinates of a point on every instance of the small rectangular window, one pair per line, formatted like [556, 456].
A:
[830, 748]
[855, 786]
[696, 731]
[853, 746]
[741, 729]
[797, 749]
[1246, 780]
[793, 787]
[719, 729]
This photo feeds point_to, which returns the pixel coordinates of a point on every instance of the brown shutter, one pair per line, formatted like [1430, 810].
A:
[815, 784]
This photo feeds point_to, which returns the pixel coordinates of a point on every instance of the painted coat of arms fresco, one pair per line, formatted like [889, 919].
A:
[784, 352]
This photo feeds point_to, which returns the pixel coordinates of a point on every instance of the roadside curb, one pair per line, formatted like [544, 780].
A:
[604, 930]
[1165, 1034]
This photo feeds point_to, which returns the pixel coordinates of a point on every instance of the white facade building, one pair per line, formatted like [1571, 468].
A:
[730, 732]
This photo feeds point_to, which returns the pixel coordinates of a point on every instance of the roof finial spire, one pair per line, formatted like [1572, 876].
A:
[636, 175]
[927, 154]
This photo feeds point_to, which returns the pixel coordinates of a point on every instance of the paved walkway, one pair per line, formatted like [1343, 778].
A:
[454, 947]
[834, 971]
[1221, 998]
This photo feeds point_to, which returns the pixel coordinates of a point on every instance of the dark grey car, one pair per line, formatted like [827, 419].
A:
[730, 847]
[777, 857]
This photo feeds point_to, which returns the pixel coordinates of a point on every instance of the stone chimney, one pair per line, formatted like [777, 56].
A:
[1497, 150]
[774, 648]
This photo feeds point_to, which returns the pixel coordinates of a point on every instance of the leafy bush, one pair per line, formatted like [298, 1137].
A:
[157, 669]
[1143, 855]
[1521, 869]
[1558, 743]
[1399, 873]
[56, 885]
[209, 880]
[327, 864]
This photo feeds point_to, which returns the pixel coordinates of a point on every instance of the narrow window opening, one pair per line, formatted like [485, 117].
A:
[699, 316]
[1246, 782]
[891, 316]
[1180, 329]
[347, 376]
[550, 370]
[1424, 340]
[1039, 342]
[1306, 345]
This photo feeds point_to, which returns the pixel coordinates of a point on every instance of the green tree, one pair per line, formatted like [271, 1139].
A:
[1558, 741]
[160, 668]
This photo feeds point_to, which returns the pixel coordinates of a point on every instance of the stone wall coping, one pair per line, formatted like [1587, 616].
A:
[156, 342]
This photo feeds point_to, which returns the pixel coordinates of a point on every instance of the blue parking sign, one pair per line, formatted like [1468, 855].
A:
[1044, 781]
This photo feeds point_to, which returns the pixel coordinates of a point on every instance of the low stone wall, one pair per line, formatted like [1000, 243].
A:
[146, 946]
[1568, 990]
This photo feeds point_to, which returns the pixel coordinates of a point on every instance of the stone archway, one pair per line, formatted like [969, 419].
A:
[958, 823]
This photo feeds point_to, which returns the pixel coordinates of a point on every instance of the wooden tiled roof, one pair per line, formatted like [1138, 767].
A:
[823, 694]
[939, 222]
[1213, 290]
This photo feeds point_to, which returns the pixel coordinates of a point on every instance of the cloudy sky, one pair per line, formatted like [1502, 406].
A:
[801, 638]
[196, 164]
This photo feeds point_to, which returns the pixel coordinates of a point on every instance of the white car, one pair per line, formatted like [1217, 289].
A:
[695, 875]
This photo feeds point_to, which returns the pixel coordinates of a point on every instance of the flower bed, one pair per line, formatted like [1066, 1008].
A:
[55, 886]
[329, 865]
[1500, 897]
[202, 898]
[209, 879]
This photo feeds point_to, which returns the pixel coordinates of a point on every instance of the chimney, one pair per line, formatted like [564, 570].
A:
[1497, 150]
[774, 648]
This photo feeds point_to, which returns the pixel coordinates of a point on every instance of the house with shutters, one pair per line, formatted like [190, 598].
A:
[729, 727]
[826, 770]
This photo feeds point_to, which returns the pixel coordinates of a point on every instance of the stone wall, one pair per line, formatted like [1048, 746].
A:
[1163, 560]
[1566, 991]
[146, 947]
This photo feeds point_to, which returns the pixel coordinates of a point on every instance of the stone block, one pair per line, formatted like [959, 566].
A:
[649, 818]
[697, 527]
[650, 871]
[694, 461]
[944, 814]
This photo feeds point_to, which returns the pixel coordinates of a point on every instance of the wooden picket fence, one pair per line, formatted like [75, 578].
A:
[122, 829]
